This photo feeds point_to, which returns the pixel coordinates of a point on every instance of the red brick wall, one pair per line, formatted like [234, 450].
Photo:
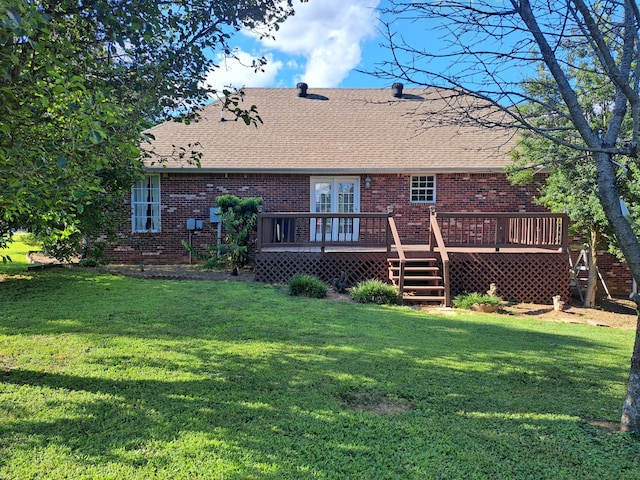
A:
[454, 193]
[187, 195]
[190, 195]
[616, 275]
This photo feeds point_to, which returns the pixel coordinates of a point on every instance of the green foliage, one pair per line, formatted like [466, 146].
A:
[30, 239]
[13, 255]
[210, 256]
[82, 81]
[468, 300]
[104, 376]
[214, 262]
[375, 291]
[570, 185]
[239, 218]
[308, 286]
[97, 252]
[88, 262]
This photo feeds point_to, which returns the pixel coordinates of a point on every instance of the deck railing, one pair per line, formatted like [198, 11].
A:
[372, 230]
[401, 256]
[437, 240]
[322, 230]
[504, 230]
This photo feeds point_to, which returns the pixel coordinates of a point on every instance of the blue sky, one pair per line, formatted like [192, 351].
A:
[327, 41]
[321, 45]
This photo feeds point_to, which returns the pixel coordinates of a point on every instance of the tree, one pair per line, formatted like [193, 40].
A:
[239, 218]
[81, 82]
[569, 190]
[569, 184]
[483, 43]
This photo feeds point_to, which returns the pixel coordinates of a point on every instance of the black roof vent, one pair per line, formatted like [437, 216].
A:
[302, 89]
[396, 89]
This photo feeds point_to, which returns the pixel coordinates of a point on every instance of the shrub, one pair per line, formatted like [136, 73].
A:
[88, 262]
[96, 252]
[215, 262]
[212, 260]
[375, 291]
[30, 239]
[467, 300]
[239, 218]
[308, 286]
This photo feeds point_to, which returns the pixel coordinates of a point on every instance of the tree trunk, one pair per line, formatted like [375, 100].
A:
[630, 421]
[592, 280]
[610, 200]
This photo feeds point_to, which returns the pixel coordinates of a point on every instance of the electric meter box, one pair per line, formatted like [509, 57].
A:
[214, 216]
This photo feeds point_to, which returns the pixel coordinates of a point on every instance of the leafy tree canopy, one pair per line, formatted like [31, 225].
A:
[570, 185]
[81, 81]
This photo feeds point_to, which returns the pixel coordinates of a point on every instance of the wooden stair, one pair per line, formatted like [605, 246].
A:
[422, 281]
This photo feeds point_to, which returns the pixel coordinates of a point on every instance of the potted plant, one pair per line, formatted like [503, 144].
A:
[480, 302]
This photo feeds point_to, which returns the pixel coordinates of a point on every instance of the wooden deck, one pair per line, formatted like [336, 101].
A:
[525, 255]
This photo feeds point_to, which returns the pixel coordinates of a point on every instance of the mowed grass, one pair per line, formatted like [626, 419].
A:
[108, 377]
[15, 255]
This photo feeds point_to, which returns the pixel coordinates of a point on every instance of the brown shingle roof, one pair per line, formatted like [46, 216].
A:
[335, 131]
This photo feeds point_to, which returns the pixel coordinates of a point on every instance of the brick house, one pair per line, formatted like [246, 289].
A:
[319, 150]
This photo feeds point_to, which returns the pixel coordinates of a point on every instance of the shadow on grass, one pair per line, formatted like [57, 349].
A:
[289, 407]
[216, 379]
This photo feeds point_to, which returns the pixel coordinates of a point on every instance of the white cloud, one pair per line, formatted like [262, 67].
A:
[319, 45]
[237, 72]
[328, 34]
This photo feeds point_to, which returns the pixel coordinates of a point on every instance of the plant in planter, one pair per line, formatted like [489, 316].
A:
[481, 302]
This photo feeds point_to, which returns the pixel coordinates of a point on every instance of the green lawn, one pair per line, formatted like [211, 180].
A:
[103, 377]
[16, 252]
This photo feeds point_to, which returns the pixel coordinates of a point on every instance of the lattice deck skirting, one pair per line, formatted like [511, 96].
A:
[520, 277]
[279, 267]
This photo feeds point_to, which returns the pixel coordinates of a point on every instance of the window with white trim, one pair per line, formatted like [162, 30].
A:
[423, 188]
[145, 205]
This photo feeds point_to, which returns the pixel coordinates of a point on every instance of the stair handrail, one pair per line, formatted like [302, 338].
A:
[401, 256]
[436, 235]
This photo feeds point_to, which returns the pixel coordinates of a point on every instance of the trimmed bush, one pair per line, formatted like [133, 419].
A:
[468, 300]
[307, 286]
[375, 291]
[88, 262]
